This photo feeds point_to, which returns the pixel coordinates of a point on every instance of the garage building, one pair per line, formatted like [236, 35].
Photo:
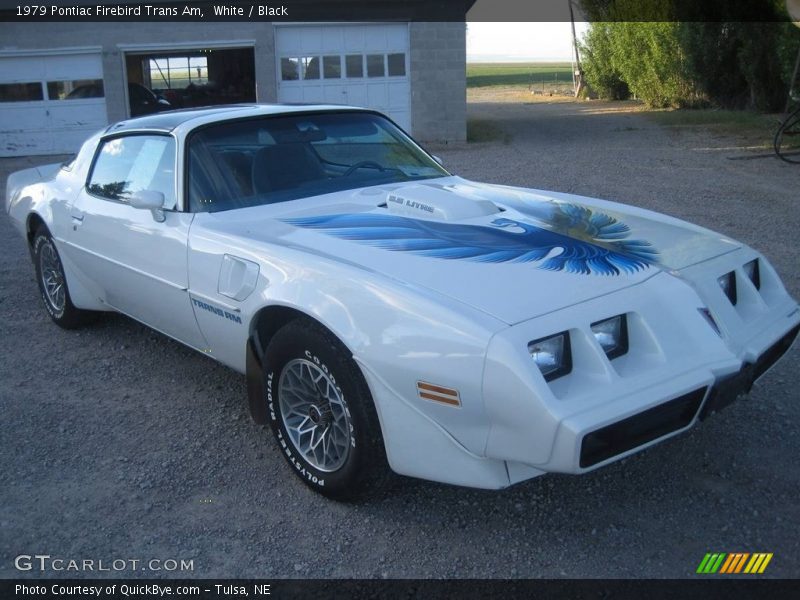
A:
[59, 82]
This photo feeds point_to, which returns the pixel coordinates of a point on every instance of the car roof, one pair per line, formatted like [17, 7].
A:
[172, 119]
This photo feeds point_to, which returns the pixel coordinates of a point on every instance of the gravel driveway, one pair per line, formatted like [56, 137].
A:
[120, 443]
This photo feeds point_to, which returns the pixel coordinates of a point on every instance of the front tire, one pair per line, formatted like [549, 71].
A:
[322, 413]
[53, 284]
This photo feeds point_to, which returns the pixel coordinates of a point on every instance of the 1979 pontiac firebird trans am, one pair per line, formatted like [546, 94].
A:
[390, 315]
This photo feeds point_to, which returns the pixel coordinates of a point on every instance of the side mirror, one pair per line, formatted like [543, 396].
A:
[438, 160]
[149, 200]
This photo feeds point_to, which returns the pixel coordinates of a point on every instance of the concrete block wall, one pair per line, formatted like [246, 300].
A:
[438, 81]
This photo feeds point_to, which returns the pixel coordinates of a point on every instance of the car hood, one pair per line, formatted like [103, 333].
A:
[512, 253]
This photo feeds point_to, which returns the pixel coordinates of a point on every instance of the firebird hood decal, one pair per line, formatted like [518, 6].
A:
[581, 241]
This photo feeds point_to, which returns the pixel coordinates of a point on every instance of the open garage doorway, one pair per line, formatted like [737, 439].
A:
[169, 79]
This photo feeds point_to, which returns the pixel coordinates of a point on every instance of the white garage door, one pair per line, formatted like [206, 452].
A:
[361, 65]
[50, 104]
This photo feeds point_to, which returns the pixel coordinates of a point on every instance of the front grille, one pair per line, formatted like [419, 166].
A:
[771, 356]
[641, 428]
[727, 389]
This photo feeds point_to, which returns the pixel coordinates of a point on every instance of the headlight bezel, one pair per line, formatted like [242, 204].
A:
[622, 345]
[727, 284]
[565, 366]
[752, 271]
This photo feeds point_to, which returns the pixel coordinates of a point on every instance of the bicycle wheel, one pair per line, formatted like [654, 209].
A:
[787, 138]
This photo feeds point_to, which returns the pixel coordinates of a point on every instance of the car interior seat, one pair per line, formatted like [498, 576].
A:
[241, 166]
[284, 166]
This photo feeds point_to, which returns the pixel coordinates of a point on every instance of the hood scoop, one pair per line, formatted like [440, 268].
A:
[436, 203]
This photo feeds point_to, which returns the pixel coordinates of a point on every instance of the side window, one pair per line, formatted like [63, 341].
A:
[75, 90]
[354, 64]
[397, 64]
[126, 165]
[332, 66]
[375, 65]
[21, 92]
[290, 69]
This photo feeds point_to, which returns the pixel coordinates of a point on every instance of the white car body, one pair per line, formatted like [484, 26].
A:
[459, 324]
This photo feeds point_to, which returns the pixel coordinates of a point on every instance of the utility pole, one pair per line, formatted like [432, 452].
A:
[793, 8]
[578, 72]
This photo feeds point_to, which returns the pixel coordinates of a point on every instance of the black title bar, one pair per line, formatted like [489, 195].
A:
[392, 10]
[235, 10]
[702, 588]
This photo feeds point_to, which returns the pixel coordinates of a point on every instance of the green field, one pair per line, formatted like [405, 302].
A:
[517, 74]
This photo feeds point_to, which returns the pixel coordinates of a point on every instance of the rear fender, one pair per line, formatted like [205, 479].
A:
[83, 293]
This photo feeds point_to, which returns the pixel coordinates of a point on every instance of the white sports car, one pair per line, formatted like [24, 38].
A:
[390, 315]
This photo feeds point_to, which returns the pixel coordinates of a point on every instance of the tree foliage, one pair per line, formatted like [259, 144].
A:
[599, 65]
[636, 46]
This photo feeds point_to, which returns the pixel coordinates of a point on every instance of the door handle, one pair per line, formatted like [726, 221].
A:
[77, 219]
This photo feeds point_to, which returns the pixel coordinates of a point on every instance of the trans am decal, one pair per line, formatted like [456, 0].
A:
[217, 311]
[590, 242]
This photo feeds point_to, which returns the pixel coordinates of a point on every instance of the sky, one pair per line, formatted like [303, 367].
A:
[511, 42]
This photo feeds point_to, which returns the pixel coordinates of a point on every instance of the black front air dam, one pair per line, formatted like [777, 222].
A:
[640, 429]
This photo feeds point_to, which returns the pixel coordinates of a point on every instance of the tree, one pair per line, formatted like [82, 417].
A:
[680, 53]
[598, 65]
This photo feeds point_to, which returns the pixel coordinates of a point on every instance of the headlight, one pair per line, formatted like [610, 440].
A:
[728, 284]
[612, 335]
[752, 272]
[552, 355]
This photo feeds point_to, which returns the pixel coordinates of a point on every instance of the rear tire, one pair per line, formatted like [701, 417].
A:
[53, 284]
[322, 413]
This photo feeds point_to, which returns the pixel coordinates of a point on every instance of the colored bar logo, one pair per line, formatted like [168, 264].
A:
[734, 562]
[438, 393]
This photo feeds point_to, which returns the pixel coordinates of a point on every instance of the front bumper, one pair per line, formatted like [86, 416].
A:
[679, 413]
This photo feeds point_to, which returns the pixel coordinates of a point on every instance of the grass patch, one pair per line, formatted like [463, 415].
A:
[756, 129]
[484, 130]
[734, 119]
[522, 74]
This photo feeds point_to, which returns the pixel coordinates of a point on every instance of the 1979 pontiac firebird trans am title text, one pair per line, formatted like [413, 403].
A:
[148, 10]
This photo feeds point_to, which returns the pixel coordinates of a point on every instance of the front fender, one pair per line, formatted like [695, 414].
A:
[403, 334]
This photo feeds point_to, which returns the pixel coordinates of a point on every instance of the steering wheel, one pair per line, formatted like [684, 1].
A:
[364, 163]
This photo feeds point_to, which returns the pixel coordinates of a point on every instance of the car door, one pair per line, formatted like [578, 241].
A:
[136, 258]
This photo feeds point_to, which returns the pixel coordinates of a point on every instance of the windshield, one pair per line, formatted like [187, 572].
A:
[275, 159]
